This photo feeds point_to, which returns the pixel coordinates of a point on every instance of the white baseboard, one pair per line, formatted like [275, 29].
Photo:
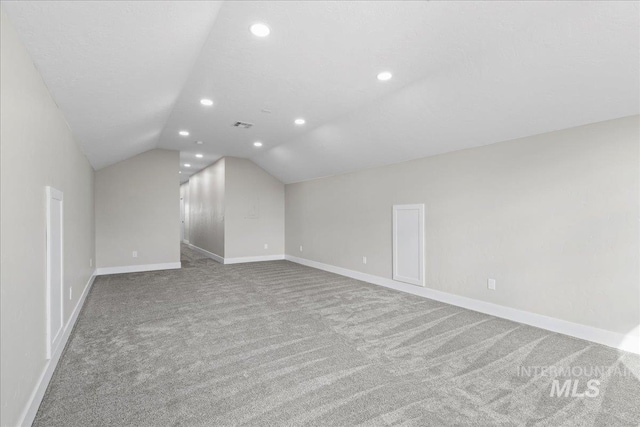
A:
[236, 260]
[207, 253]
[629, 342]
[185, 241]
[137, 268]
[30, 411]
[259, 258]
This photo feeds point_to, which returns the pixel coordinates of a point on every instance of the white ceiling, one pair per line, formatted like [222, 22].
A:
[129, 75]
[114, 68]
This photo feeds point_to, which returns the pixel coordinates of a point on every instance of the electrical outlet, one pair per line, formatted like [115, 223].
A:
[491, 284]
[364, 259]
[266, 246]
[134, 254]
[300, 248]
[70, 293]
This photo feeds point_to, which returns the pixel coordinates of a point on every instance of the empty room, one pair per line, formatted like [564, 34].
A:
[320, 213]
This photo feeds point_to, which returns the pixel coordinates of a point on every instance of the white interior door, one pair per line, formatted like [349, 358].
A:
[181, 218]
[55, 272]
[408, 244]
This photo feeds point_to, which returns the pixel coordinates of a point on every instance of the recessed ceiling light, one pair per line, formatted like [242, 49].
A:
[199, 156]
[257, 144]
[259, 30]
[184, 133]
[299, 121]
[207, 102]
[187, 165]
[384, 76]
[179, 171]
[199, 142]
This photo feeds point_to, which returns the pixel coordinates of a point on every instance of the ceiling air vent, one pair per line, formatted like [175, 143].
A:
[242, 125]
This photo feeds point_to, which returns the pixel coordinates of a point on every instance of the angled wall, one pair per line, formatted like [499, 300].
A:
[37, 150]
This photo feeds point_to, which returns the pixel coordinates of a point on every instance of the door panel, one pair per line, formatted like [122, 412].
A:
[408, 244]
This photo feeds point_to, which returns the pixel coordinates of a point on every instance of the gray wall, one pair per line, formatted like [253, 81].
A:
[254, 210]
[235, 208]
[138, 209]
[206, 208]
[552, 217]
[37, 150]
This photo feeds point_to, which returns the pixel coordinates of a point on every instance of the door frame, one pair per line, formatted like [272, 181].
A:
[54, 337]
[182, 217]
[414, 281]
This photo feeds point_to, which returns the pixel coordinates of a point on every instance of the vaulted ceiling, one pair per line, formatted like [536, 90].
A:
[130, 75]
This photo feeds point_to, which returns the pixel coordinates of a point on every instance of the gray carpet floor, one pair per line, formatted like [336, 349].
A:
[279, 344]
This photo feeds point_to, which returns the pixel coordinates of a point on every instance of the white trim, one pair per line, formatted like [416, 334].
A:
[54, 338]
[628, 342]
[31, 409]
[137, 268]
[207, 253]
[185, 241]
[259, 258]
[419, 281]
[237, 260]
